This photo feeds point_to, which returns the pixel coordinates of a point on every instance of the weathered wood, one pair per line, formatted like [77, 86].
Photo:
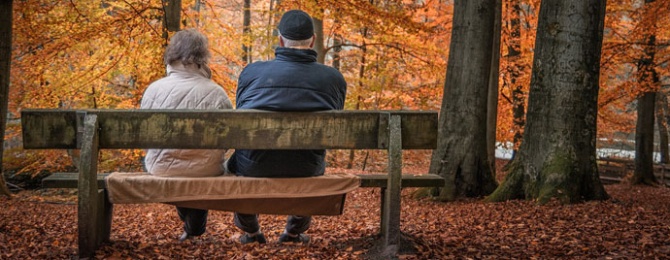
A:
[88, 198]
[408, 180]
[106, 220]
[391, 217]
[69, 180]
[50, 129]
[238, 129]
[241, 129]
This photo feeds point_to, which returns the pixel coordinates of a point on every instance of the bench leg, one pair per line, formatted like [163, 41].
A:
[89, 209]
[382, 227]
[391, 209]
[104, 225]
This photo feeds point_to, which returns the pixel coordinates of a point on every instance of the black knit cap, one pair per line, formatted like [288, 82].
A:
[296, 25]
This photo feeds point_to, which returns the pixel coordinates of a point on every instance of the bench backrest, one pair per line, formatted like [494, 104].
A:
[91, 130]
[224, 129]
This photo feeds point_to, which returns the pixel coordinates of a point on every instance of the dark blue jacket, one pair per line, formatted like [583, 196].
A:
[293, 81]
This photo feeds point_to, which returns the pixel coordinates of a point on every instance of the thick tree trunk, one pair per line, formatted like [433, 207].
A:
[494, 75]
[172, 15]
[644, 128]
[557, 157]
[461, 155]
[514, 71]
[5, 61]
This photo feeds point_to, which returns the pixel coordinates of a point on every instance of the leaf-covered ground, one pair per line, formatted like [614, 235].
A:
[634, 224]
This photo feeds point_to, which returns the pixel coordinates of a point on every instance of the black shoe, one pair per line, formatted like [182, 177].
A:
[246, 238]
[184, 236]
[300, 238]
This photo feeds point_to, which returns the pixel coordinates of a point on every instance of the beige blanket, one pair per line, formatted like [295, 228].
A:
[323, 195]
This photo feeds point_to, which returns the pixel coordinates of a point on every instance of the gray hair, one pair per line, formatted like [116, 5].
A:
[188, 46]
[296, 43]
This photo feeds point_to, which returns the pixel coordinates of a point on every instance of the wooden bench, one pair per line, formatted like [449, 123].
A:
[613, 170]
[91, 130]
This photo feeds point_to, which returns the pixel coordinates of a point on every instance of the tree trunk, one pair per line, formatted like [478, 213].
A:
[5, 62]
[318, 42]
[196, 7]
[273, 18]
[661, 112]
[644, 140]
[172, 10]
[337, 48]
[557, 157]
[514, 71]
[246, 32]
[644, 128]
[461, 155]
[494, 75]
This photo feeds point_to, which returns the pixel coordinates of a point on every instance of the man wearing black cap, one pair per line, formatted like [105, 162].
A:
[293, 81]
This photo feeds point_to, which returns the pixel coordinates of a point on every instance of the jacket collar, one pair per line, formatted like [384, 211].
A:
[296, 55]
[179, 68]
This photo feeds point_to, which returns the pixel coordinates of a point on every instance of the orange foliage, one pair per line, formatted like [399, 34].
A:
[393, 53]
[627, 24]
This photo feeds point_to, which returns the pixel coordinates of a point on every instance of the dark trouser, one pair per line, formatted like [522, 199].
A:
[294, 224]
[195, 220]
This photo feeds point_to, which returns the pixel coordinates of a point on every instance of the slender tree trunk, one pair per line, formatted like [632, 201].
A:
[318, 43]
[644, 140]
[196, 7]
[246, 32]
[557, 157]
[644, 128]
[461, 156]
[661, 112]
[5, 61]
[337, 48]
[361, 75]
[273, 18]
[494, 75]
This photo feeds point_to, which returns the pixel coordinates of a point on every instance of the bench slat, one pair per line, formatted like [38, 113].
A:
[239, 129]
[69, 180]
[408, 180]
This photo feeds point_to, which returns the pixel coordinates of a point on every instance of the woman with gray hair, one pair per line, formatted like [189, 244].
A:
[188, 85]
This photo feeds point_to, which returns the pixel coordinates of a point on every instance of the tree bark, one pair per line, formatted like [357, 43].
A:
[644, 128]
[5, 65]
[494, 75]
[246, 32]
[461, 155]
[172, 10]
[318, 42]
[557, 157]
[661, 112]
[515, 70]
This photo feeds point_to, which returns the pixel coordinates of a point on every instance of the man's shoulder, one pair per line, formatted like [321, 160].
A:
[257, 64]
[326, 70]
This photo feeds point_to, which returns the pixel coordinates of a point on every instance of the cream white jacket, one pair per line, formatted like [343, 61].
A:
[185, 87]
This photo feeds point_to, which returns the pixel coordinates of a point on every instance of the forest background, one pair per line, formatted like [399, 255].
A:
[393, 54]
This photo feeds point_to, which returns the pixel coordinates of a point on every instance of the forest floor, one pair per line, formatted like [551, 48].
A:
[633, 224]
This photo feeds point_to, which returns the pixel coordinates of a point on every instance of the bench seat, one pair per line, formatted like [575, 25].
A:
[69, 180]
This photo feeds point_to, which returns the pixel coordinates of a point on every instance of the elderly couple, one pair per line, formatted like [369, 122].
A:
[293, 81]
